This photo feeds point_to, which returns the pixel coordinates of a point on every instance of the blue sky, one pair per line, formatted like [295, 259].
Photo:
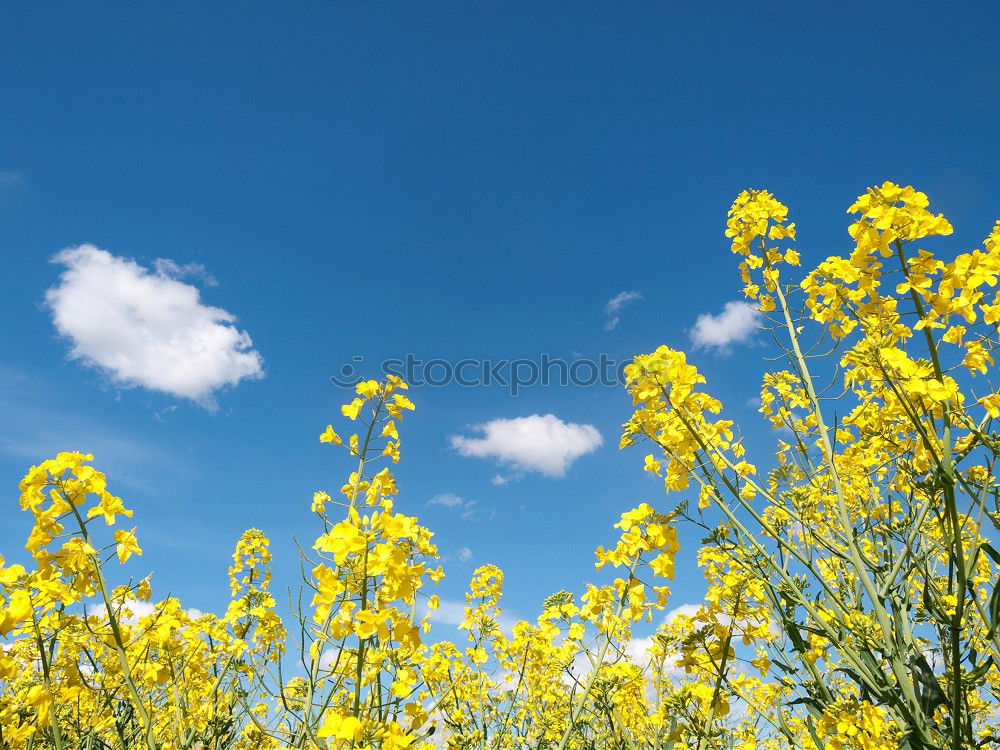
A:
[450, 180]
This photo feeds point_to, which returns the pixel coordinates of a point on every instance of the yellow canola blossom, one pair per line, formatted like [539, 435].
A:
[850, 580]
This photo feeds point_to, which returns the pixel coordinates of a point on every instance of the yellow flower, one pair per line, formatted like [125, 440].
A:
[329, 436]
[18, 610]
[367, 389]
[477, 655]
[352, 409]
[108, 507]
[320, 499]
[342, 540]
[340, 727]
[127, 545]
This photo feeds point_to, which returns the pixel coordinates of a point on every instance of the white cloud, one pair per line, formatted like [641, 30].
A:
[687, 610]
[614, 306]
[447, 499]
[174, 270]
[448, 612]
[464, 554]
[140, 609]
[637, 650]
[147, 328]
[328, 658]
[468, 510]
[736, 323]
[162, 413]
[539, 443]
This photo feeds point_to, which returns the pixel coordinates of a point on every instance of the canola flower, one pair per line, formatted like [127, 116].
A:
[851, 602]
[90, 665]
[852, 598]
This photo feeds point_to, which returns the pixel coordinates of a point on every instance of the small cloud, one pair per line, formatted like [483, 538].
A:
[447, 613]
[540, 443]
[138, 610]
[735, 324]
[468, 510]
[328, 658]
[636, 651]
[690, 610]
[499, 480]
[447, 499]
[162, 413]
[614, 305]
[147, 328]
[464, 554]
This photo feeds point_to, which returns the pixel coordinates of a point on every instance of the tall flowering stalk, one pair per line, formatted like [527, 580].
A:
[856, 575]
[88, 665]
[91, 665]
[569, 679]
[852, 598]
[361, 644]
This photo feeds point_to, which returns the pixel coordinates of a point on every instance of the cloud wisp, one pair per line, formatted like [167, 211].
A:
[614, 305]
[147, 328]
[467, 510]
[537, 443]
[737, 322]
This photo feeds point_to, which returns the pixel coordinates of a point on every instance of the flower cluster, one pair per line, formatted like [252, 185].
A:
[856, 579]
[851, 599]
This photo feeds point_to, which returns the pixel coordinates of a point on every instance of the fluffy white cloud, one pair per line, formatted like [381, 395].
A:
[147, 328]
[138, 610]
[614, 306]
[737, 322]
[542, 443]
[637, 650]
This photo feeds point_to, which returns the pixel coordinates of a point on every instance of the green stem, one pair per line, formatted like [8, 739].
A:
[116, 634]
[581, 702]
